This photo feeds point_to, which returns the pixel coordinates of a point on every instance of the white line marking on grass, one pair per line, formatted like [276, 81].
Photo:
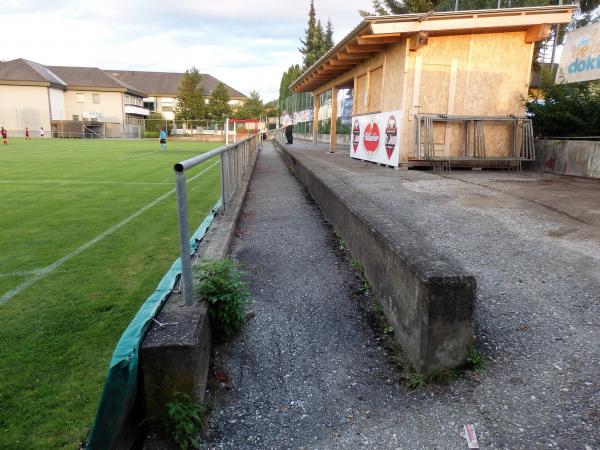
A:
[81, 182]
[46, 270]
[141, 154]
[23, 273]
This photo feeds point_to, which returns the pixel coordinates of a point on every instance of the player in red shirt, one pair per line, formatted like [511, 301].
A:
[4, 136]
[27, 137]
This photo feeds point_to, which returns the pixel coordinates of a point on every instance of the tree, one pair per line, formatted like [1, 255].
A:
[308, 43]
[190, 100]
[568, 110]
[218, 103]
[253, 108]
[329, 36]
[288, 77]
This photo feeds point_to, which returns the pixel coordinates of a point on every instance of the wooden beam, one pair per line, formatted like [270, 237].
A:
[343, 56]
[417, 40]
[344, 63]
[538, 33]
[333, 128]
[387, 38]
[364, 48]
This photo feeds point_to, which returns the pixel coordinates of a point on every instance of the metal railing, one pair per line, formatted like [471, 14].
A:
[235, 159]
[463, 5]
[474, 142]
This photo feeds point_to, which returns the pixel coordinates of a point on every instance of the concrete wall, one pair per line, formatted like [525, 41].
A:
[573, 157]
[110, 106]
[342, 139]
[24, 106]
[428, 299]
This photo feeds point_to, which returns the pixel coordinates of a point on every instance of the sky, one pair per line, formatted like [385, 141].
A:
[247, 45]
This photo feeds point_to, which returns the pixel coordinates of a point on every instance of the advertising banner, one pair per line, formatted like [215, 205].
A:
[580, 60]
[376, 137]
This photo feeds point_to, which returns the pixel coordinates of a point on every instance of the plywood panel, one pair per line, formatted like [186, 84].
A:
[375, 89]
[394, 77]
[361, 94]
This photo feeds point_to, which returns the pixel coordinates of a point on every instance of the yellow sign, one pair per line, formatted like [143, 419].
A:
[580, 60]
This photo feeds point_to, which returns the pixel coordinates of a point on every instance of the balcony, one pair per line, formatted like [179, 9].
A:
[137, 110]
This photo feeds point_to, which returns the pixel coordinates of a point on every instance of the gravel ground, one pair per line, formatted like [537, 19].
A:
[310, 372]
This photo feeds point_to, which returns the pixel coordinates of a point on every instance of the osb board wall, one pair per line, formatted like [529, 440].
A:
[479, 74]
[375, 89]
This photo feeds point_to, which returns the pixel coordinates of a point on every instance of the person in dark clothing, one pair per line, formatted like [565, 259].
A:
[289, 128]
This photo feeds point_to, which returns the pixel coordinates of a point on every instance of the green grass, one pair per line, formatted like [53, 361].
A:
[58, 334]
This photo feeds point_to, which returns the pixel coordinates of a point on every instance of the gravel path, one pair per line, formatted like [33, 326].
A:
[309, 372]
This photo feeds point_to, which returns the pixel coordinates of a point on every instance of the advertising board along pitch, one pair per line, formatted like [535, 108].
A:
[375, 137]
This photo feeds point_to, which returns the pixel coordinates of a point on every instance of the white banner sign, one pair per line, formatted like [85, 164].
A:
[580, 60]
[376, 137]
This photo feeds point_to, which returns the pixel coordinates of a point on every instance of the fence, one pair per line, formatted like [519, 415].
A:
[235, 159]
[464, 5]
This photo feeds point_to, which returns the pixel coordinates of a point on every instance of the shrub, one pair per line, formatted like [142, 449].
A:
[219, 283]
[184, 420]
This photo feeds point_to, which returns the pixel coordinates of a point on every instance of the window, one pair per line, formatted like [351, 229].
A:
[96, 98]
[80, 97]
[75, 117]
[149, 106]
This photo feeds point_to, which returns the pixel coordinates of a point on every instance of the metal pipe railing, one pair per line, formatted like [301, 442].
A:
[235, 159]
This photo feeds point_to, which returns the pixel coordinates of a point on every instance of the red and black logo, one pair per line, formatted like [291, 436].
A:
[355, 135]
[372, 138]
[391, 136]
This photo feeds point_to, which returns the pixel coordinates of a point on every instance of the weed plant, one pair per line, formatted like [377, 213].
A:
[184, 419]
[220, 284]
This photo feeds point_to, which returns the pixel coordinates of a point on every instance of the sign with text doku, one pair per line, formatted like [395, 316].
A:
[580, 60]
[376, 137]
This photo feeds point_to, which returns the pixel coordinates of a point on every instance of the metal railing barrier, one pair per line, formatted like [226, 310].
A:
[235, 159]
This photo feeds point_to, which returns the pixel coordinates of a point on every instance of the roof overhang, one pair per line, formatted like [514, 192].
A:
[375, 33]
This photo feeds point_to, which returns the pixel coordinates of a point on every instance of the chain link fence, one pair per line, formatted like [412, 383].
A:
[464, 5]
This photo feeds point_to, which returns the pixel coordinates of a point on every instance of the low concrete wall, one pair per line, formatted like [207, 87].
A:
[342, 139]
[428, 300]
[568, 157]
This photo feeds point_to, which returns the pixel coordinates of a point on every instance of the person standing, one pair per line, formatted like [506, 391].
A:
[289, 128]
[163, 139]
[27, 137]
[42, 132]
[4, 136]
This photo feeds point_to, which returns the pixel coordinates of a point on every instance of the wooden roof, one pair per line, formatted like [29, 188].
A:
[376, 32]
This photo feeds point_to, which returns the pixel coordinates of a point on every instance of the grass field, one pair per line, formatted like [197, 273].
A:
[87, 229]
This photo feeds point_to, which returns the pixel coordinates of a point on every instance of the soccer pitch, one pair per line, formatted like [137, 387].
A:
[87, 230]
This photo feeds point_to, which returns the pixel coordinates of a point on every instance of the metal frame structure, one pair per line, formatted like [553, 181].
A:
[474, 143]
[235, 159]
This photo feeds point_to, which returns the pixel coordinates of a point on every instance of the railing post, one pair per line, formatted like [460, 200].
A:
[184, 239]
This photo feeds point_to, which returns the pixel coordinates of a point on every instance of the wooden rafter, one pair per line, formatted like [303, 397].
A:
[350, 48]
[538, 33]
[386, 38]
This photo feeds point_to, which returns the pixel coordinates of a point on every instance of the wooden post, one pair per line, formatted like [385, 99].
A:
[333, 128]
[315, 117]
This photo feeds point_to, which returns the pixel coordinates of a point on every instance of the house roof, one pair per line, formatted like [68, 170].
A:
[157, 84]
[24, 70]
[91, 77]
[374, 33]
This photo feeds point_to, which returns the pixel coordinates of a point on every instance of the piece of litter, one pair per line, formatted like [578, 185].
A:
[470, 436]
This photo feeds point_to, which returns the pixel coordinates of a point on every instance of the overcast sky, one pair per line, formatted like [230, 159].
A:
[245, 44]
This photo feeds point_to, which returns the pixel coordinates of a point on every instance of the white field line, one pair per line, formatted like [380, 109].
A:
[46, 270]
[21, 274]
[140, 154]
[80, 182]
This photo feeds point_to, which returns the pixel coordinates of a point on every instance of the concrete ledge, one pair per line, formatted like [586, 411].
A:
[578, 158]
[176, 356]
[428, 299]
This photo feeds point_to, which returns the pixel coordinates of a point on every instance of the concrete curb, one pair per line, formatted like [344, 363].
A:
[176, 357]
[428, 299]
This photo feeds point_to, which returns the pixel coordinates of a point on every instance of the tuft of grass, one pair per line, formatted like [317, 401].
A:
[220, 284]
[476, 361]
[414, 380]
[184, 420]
[358, 266]
[341, 244]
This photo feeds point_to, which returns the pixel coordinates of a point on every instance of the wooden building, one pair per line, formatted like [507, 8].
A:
[456, 83]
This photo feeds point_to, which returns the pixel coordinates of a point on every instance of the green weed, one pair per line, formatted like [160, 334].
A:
[219, 283]
[184, 419]
[341, 244]
[476, 361]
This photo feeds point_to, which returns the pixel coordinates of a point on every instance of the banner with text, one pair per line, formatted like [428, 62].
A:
[580, 60]
[376, 137]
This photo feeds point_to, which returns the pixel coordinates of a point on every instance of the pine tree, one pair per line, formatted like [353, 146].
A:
[190, 100]
[319, 42]
[329, 36]
[218, 103]
[308, 49]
